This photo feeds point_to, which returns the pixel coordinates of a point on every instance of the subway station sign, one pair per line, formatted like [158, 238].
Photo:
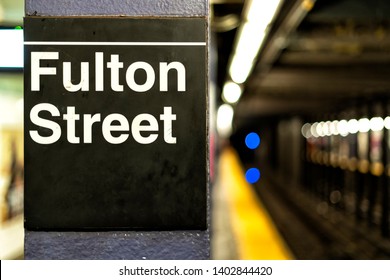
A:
[115, 123]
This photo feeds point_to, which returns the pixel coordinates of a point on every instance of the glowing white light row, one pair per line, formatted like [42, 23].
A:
[344, 127]
[257, 17]
[225, 116]
[231, 92]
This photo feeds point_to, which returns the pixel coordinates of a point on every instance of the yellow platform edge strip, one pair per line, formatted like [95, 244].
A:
[256, 236]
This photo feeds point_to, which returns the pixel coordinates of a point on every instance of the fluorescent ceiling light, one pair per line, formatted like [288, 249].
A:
[387, 122]
[11, 48]
[326, 128]
[224, 120]
[305, 130]
[240, 69]
[258, 14]
[313, 130]
[262, 11]
[364, 125]
[377, 124]
[333, 128]
[231, 92]
[250, 39]
[342, 128]
[320, 130]
[353, 126]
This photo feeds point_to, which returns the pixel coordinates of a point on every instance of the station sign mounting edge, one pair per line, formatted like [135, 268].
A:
[115, 123]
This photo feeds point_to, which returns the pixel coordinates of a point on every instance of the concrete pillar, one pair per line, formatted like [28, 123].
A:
[119, 244]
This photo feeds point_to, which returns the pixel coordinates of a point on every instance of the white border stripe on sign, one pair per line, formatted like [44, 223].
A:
[54, 43]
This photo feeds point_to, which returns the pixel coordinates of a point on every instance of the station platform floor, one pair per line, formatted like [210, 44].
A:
[241, 226]
[277, 220]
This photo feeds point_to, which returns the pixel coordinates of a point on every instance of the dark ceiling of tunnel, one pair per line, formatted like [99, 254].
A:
[224, 37]
[337, 53]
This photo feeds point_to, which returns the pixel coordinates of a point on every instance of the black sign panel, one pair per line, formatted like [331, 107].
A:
[115, 123]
